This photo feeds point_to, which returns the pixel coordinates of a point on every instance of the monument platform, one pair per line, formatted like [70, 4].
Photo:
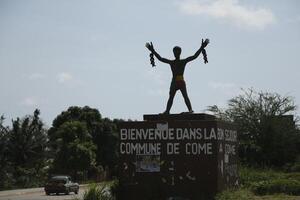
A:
[179, 117]
[192, 156]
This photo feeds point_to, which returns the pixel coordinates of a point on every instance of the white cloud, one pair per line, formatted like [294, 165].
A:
[30, 101]
[231, 11]
[64, 77]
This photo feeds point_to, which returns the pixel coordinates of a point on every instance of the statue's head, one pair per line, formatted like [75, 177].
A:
[177, 51]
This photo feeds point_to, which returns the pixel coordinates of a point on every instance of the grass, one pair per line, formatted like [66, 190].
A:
[246, 194]
[264, 184]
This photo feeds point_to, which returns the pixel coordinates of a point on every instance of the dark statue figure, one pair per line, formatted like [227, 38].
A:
[178, 66]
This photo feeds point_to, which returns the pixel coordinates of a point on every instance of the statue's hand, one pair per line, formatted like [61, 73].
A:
[204, 43]
[149, 46]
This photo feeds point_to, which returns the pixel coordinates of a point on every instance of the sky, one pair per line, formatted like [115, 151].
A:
[60, 53]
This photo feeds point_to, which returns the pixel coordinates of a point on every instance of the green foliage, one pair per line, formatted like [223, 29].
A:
[293, 167]
[98, 192]
[103, 133]
[246, 194]
[79, 142]
[75, 149]
[27, 141]
[267, 133]
[114, 188]
[4, 162]
[106, 138]
[242, 194]
[101, 191]
[249, 175]
[23, 152]
[286, 186]
[270, 183]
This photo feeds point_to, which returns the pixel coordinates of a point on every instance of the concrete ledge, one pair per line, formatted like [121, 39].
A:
[178, 117]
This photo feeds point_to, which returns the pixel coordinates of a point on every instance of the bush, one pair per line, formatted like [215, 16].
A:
[286, 186]
[114, 187]
[294, 176]
[248, 176]
[98, 192]
[276, 185]
[292, 167]
[295, 167]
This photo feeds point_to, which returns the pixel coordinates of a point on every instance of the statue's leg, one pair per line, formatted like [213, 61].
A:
[171, 97]
[186, 98]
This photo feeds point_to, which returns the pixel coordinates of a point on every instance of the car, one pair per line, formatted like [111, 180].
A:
[61, 184]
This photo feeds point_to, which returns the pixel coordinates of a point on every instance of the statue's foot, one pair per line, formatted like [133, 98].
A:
[165, 113]
[189, 112]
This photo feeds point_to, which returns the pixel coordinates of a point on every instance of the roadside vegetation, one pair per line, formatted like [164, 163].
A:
[80, 143]
[269, 145]
[259, 184]
[100, 191]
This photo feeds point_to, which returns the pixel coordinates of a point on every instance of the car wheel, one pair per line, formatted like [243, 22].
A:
[47, 193]
[76, 191]
[57, 193]
[67, 191]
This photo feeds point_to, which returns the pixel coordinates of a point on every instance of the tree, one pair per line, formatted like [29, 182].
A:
[75, 149]
[102, 131]
[27, 150]
[267, 131]
[106, 139]
[4, 163]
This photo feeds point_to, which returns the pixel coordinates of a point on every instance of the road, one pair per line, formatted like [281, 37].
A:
[38, 194]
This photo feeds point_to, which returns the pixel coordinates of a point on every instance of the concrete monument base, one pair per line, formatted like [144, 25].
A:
[192, 156]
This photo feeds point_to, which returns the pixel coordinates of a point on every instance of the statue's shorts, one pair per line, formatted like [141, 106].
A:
[177, 83]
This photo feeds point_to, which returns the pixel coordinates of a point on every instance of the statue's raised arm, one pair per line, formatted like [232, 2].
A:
[153, 52]
[198, 52]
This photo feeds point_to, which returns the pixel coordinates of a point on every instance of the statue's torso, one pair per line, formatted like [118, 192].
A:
[178, 67]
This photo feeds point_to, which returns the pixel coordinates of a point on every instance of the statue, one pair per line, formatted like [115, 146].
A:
[178, 66]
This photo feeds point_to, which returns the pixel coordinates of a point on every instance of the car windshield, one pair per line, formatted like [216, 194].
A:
[57, 181]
